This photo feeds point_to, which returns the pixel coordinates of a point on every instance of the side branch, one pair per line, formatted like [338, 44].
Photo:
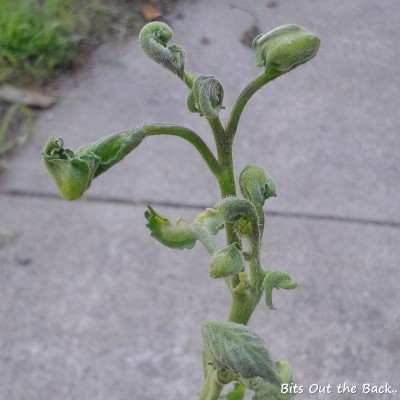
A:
[191, 137]
[245, 96]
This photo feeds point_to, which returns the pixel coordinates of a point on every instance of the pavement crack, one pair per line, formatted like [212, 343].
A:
[13, 193]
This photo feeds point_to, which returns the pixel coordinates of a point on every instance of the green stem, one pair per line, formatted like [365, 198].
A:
[226, 179]
[191, 137]
[188, 80]
[245, 96]
[211, 388]
[243, 302]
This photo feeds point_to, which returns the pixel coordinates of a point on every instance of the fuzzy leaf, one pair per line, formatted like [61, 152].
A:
[180, 236]
[238, 349]
[284, 371]
[153, 39]
[73, 172]
[285, 47]
[211, 220]
[264, 390]
[256, 185]
[237, 393]
[206, 96]
[227, 261]
[279, 280]
[72, 175]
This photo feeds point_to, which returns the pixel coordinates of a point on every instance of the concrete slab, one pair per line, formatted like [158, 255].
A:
[327, 132]
[85, 314]
[93, 308]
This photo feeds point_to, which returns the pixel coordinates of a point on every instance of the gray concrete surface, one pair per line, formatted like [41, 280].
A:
[92, 308]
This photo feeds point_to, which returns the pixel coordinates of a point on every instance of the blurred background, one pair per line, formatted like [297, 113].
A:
[91, 306]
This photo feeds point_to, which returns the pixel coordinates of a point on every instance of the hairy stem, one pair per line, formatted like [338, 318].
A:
[191, 137]
[245, 96]
[211, 388]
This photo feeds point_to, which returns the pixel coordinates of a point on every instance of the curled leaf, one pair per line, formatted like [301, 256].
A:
[206, 96]
[243, 214]
[284, 371]
[264, 390]
[232, 209]
[184, 235]
[180, 236]
[73, 172]
[227, 261]
[112, 148]
[256, 185]
[279, 280]
[72, 175]
[238, 349]
[237, 393]
[211, 220]
[153, 39]
[285, 47]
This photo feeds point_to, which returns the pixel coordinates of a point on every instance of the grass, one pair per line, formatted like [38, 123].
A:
[40, 37]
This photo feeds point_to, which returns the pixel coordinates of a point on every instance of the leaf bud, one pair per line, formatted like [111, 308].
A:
[73, 172]
[72, 175]
[211, 220]
[256, 185]
[206, 96]
[279, 280]
[285, 47]
[153, 39]
[233, 208]
[227, 261]
[284, 370]
[180, 236]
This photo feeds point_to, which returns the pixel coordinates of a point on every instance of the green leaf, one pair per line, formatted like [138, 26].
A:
[206, 96]
[112, 148]
[238, 349]
[237, 393]
[153, 39]
[284, 371]
[264, 390]
[227, 261]
[180, 236]
[72, 175]
[211, 220]
[256, 185]
[285, 47]
[279, 280]
[73, 172]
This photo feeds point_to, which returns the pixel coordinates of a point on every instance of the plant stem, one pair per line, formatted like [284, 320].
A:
[245, 96]
[191, 137]
[211, 388]
[243, 302]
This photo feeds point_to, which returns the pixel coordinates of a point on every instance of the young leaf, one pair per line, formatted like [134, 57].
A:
[279, 280]
[180, 236]
[285, 47]
[211, 220]
[112, 148]
[72, 175]
[264, 390]
[237, 393]
[256, 185]
[238, 349]
[206, 96]
[153, 39]
[284, 371]
[73, 172]
[227, 261]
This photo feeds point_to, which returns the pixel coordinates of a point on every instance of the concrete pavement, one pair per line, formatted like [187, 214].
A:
[91, 307]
